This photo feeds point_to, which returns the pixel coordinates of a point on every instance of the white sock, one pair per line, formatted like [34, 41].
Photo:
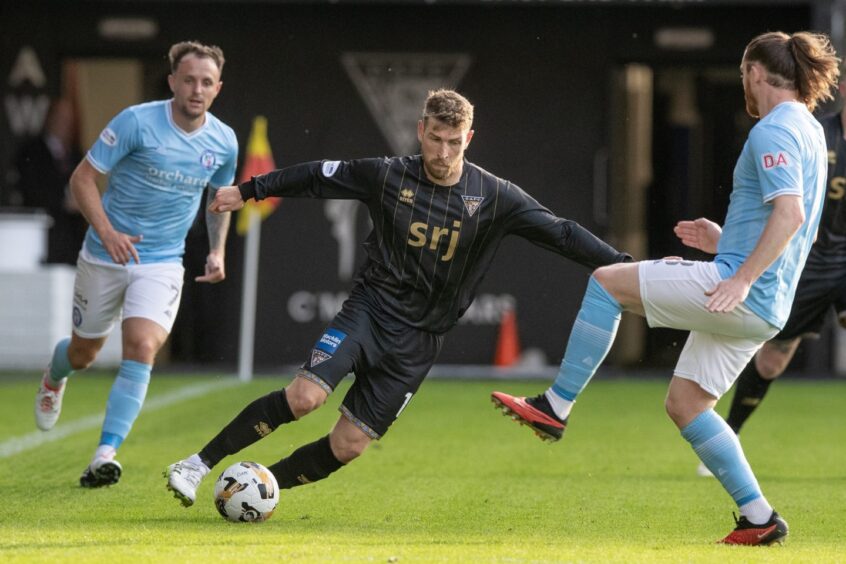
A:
[559, 405]
[195, 459]
[758, 511]
[105, 451]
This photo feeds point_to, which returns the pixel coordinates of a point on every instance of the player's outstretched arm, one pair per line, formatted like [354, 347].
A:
[589, 250]
[226, 199]
[527, 218]
[702, 234]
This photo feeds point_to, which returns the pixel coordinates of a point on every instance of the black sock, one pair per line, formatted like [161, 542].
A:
[749, 391]
[256, 421]
[309, 463]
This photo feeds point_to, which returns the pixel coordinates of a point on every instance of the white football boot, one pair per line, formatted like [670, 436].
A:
[183, 479]
[103, 471]
[48, 401]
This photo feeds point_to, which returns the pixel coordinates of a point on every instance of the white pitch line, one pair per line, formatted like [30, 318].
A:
[17, 445]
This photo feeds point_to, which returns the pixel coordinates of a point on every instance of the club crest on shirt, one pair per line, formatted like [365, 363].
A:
[406, 196]
[472, 203]
[207, 159]
[318, 356]
[770, 160]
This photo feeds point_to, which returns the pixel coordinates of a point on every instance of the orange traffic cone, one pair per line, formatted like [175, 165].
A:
[508, 343]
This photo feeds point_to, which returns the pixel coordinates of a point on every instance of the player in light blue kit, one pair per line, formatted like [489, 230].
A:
[159, 158]
[735, 303]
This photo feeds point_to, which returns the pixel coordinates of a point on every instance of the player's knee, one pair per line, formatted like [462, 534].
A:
[347, 449]
[303, 403]
[771, 366]
[671, 407]
[143, 349]
[81, 358]
[604, 275]
[617, 283]
[678, 410]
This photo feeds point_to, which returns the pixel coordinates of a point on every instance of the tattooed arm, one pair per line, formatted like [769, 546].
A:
[217, 225]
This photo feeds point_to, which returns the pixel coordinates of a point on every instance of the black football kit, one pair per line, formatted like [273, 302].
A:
[823, 281]
[427, 253]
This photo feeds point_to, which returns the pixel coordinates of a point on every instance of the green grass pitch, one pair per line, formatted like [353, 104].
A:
[452, 482]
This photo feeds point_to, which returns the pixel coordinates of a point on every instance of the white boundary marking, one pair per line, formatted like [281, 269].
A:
[23, 443]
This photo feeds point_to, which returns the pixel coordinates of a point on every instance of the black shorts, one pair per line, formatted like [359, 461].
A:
[389, 360]
[815, 294]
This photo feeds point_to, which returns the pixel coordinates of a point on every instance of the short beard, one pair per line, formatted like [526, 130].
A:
[435, 174]
[450, 169]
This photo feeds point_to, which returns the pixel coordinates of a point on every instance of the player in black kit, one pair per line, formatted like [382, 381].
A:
[437, 223]
[821, 287]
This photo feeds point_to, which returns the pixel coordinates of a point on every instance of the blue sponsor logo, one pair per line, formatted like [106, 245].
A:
[77, 316]
[330, 341]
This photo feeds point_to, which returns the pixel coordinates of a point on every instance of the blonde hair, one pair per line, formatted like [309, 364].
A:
[805, 62]
[449, 107]
[179, 51]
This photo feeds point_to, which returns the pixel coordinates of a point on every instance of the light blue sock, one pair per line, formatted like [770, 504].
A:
[60, 364]
[591, 339]
[125, 401]
[718, 448]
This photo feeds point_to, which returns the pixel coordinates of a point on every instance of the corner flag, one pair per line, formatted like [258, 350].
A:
[258, 160]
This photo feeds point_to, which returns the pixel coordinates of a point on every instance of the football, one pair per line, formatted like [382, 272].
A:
[246, 492]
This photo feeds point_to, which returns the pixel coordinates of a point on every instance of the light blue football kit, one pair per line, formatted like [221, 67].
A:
[785, 154]
[157, 176]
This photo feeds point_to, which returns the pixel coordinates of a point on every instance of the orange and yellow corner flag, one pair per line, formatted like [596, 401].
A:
[258, 160]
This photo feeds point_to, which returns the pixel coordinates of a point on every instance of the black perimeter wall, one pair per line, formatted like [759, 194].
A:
[540, 80]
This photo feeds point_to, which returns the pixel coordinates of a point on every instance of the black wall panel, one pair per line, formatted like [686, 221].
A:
[540, 79]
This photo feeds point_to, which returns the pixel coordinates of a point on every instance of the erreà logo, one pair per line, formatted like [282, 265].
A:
[394, 86]
[472, 203]
[406, 196]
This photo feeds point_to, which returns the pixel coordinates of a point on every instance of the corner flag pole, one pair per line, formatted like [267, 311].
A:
[246, 346]
[259, 161]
